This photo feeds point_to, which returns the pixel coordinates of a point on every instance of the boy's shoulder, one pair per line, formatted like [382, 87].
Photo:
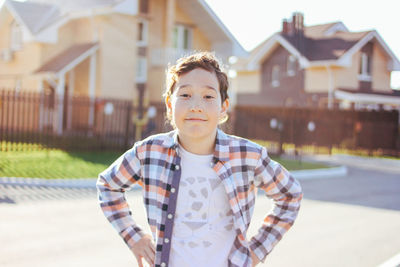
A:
[161, 139]
[237, 141]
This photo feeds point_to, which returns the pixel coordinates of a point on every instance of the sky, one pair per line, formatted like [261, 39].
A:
[253, 21]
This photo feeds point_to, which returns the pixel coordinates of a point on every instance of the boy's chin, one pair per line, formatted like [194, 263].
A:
[196, 131]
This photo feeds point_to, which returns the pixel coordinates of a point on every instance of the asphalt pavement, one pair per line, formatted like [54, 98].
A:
[351, 219]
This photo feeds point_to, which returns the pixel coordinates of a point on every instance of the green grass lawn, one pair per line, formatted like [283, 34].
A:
[293, 165]
[60, 164]
[54, 164]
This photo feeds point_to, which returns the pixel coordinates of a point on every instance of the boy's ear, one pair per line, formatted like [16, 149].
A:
[168, 102]
[225, 106]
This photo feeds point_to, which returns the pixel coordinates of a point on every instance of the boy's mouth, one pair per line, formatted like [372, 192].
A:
[195, 119]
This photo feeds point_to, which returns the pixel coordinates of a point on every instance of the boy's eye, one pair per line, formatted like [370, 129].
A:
[184, 95]
[209, 97]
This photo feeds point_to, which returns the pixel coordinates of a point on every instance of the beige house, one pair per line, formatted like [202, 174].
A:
[103, 48]
[320, 65]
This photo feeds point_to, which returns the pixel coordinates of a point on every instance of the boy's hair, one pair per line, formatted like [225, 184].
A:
[203, 60]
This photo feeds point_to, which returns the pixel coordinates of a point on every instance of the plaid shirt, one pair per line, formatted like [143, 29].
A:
[241, 165]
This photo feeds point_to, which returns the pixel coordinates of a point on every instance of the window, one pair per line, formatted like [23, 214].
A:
[142, 33]
[182, 37]
[291, 65]
[275, 76]
[16, 36]
[365, 67]
[141, 70]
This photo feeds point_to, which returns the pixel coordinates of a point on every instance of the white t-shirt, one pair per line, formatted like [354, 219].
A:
[203, 232]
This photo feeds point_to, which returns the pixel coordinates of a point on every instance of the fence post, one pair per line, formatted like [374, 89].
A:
[128, 124]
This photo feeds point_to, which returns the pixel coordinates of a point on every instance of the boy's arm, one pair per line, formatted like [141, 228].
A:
[286, 193]
[111, 186]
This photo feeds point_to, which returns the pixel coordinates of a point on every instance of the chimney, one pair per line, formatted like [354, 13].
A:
[285, 26]
[298, 23]
[294, 30]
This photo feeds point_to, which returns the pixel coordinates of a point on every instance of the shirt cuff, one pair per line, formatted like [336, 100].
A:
[132, 235]
[258, 249]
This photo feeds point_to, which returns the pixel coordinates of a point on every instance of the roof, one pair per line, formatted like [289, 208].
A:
[243, 61]
[320, 45]
[205, 19]
[395, 93]
[369, 97]
[34, 16]
[329, 47]
[316, 31]
[68, 58]
[41, 15]
[76, 5]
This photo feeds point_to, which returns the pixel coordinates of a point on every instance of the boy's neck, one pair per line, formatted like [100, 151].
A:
[200, 146]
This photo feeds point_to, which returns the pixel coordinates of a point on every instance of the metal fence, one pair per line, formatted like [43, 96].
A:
[351, 129]
[30, 120]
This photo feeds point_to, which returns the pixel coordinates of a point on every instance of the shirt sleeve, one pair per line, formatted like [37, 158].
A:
[111, 186]
[286, 193]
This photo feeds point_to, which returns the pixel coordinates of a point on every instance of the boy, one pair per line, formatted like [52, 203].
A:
[198, 182]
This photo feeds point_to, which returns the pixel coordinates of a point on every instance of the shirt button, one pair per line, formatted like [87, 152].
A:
[170, 216]
[166, 240]
[173, 190]
[163, 264]
[176, 167]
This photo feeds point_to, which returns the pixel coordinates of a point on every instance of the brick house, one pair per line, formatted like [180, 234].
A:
[320, 65]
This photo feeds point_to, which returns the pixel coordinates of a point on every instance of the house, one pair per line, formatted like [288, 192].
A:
[318, 66]
[110, 49]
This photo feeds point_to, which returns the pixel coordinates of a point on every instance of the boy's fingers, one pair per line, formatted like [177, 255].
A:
[149, 255]
[153, 248]
[139, 260]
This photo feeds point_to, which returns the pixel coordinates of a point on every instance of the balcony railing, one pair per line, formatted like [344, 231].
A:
[160, 57]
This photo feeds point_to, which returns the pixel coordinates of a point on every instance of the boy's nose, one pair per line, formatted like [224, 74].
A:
[196, 105]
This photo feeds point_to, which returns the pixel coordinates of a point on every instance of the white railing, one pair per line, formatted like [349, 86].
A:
[161, 57]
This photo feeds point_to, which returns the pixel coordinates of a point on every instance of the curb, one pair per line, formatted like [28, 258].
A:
[81, 183]
[320, 173]
[90, 183]
[371, 163]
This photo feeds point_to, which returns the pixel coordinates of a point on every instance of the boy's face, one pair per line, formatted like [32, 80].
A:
[195, 105]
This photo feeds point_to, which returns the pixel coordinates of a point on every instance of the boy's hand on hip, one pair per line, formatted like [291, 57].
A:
[146, 249]
[254, 259]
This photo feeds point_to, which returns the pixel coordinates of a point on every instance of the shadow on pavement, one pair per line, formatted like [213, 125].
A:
[7, 199]
[15, 194]
[376, 189]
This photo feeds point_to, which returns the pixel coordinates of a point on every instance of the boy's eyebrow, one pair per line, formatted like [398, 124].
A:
[188, 85]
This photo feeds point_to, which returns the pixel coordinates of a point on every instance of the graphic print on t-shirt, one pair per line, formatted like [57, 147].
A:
[204, 205]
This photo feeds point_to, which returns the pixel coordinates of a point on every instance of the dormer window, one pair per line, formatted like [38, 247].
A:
[275, 76]
[365, 67]
[291, 65]
[16, 36]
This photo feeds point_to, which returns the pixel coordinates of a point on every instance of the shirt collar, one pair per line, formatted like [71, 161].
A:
[221, 150]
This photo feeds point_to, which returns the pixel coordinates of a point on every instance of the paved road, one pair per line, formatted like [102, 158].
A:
[344, 221]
